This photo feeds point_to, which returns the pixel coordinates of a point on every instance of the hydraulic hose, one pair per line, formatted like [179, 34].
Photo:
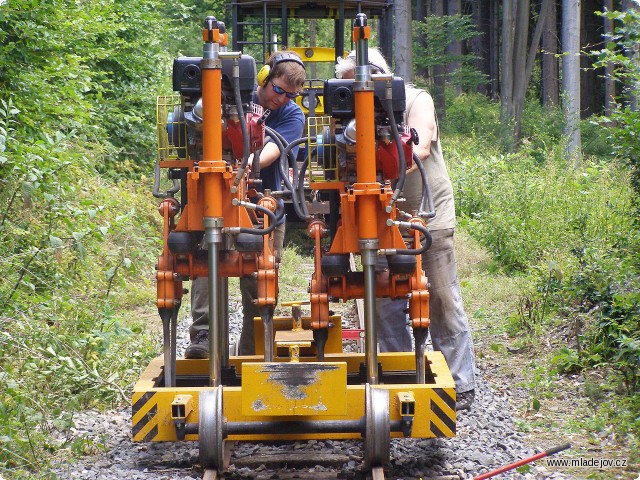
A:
[243, 125]
[280, 141]
[388, 106]
[410, 251]
[261, 209]
[300, 188]
[298, 206]
[298, 203]
[156, 184]
[243, 121]
[291, 161]
[283, 141]
[426, 191]
[255, 165]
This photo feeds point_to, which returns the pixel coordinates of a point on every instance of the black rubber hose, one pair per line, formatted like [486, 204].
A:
[300, 188]
[388, 106]
[298, 207]
[255, 165]
[262, 231]
[244, 128]
[283, 140]
[287, 151]
[426, 191]
[291, 160]
[243, 122]
[423, 248]
[298, 203]
[278, 140]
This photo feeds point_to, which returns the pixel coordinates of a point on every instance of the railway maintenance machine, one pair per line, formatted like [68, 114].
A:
[219, 224]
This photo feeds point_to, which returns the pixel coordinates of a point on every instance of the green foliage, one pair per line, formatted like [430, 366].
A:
[606, 285]
[621, 52]
[433, 35]
[532, 207]
[473, 116]
[567, 360]
[76, 95]
[570, 231]
[74, 69]
[186, 19]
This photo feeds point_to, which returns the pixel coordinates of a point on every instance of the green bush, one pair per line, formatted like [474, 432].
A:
[472, 116]
[76, 96]
[571, 231]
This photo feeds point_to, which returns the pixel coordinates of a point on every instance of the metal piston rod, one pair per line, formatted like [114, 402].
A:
[169, 332]
[266, 313]
[420, 336]
[213, 237]
[368, 249]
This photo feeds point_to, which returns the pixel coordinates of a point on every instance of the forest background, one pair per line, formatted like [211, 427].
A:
[79, 232]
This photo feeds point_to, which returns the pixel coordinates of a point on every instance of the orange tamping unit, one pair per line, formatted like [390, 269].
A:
[369, 225]
[216, 213]
[302, 383]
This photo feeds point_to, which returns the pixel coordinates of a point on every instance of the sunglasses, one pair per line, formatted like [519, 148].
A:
[280, 91]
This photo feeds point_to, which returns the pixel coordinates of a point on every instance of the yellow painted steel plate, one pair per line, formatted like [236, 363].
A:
[309, 388]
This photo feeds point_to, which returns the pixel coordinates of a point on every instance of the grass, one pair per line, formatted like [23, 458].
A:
[80, 342]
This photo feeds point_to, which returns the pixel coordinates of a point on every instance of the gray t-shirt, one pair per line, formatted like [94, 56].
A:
[441, 188]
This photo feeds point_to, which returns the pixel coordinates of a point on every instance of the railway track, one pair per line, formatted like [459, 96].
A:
[376, 473]
[297, 460]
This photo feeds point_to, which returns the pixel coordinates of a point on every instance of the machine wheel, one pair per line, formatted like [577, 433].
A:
[377, 440]
[211, 429]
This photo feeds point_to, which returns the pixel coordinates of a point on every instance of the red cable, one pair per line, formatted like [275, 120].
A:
[524, 461]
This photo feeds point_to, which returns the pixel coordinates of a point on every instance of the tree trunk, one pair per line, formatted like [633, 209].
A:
[550, 93]
[520, 63]
[631, 90]
[507, 111]
[423, 10]
[609, 82]
[590, 78]
[494, 69]
[517, 64]
[571, 75]
[455, 47]
[403, 46]
[439, 71]
[480, 43]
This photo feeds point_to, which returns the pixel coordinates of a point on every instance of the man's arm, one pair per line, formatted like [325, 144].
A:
[270, 153]
[422, 117]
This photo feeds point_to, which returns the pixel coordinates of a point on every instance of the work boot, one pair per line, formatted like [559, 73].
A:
[199, 347]
[464, 400]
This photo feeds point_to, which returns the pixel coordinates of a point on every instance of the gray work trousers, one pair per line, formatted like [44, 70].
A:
[249, 292]
[449, 328]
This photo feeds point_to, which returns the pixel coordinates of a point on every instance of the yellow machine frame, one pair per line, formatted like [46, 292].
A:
[433, 411]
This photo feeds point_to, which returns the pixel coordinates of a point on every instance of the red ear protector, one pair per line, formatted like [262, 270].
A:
[264, 74]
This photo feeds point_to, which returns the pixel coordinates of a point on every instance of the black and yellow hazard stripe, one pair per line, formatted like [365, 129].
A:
[144, 412]
[442, 422]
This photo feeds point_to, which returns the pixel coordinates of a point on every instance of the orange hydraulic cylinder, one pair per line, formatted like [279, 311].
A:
[212, 139]
[212, 110]
[367, 205]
